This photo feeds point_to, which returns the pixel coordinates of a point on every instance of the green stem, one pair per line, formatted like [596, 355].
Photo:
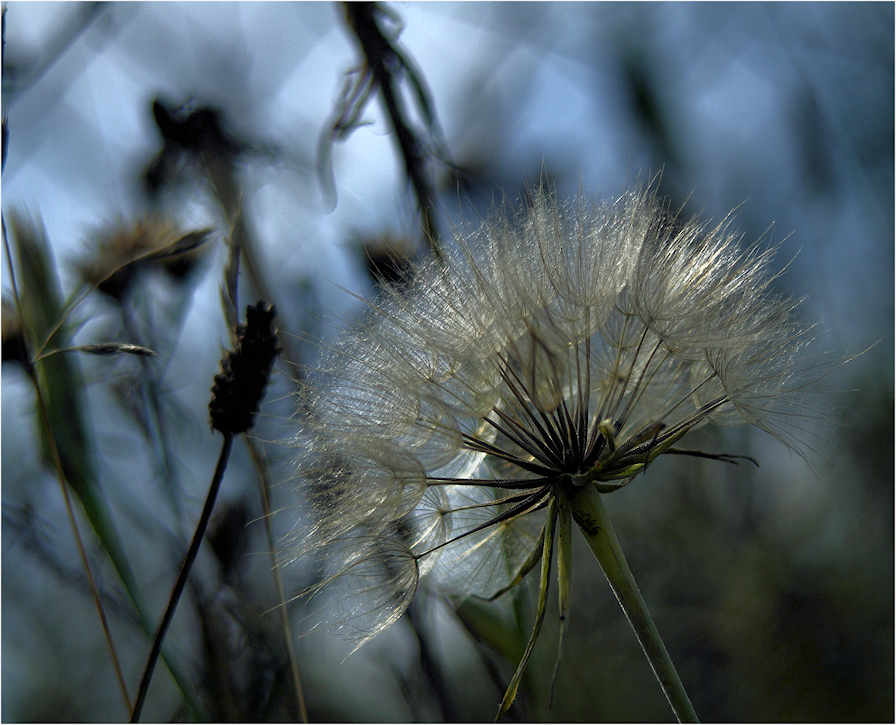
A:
[590, 514]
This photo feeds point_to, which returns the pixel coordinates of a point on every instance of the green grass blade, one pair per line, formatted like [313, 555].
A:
[547, 554]
[61, 386]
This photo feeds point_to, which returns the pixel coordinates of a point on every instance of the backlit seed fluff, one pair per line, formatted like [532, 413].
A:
[567, 346]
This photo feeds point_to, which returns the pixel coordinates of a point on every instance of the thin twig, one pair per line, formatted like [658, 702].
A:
[150, 391]
[224, 183]
[385, 63]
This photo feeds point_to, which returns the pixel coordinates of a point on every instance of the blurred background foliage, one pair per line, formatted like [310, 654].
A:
[147, 147]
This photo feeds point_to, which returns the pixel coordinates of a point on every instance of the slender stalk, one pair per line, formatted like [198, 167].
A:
[57, 462]
[182, 576]
[590, 514]
[263, 485]
[226, 189]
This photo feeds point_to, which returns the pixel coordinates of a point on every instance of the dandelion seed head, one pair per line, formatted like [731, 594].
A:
[569, 345]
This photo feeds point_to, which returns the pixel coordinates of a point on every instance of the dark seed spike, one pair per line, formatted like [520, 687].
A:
[506, 483]
[568, 428]
[474, 443]
[560, 425]
[525, 409]
[726, 457]
[533, 445]
[547, 430]
[512, 499]
[691, 420]
[477, 444]
[649, 434]
[583, 398]
[532, 502]
[239, 386]
[595, 447]
[628, 375]
[639, 388]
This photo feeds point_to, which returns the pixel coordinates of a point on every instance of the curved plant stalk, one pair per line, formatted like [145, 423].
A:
[242, 242]
[53, 449]
[57, 464]
[590, 514]
[182, 577]
[264, 487]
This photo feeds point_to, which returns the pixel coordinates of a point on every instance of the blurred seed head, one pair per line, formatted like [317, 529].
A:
[388, 260]
[228, 536]
[123, 250]
[14, 347]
